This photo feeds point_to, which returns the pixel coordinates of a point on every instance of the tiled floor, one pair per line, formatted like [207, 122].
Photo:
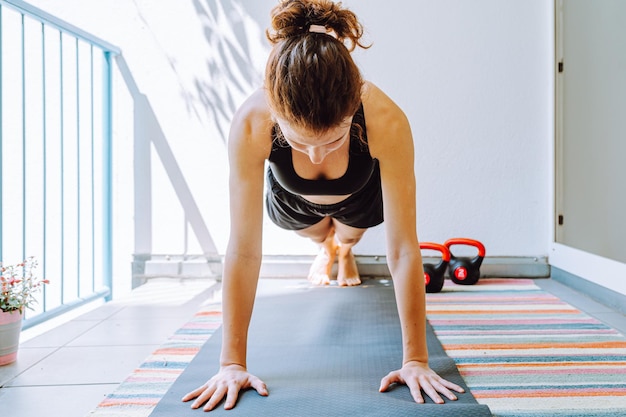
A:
[68, 370]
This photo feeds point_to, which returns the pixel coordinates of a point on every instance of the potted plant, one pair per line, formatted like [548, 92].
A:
[18, 289]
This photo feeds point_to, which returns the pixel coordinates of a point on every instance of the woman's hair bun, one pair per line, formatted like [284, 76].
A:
[295, 18]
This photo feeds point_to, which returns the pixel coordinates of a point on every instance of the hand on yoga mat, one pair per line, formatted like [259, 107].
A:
[419, 377]
[228, 382]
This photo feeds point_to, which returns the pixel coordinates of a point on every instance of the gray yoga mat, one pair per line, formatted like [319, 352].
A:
[322, 352]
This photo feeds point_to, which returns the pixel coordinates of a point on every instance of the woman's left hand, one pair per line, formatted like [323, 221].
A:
[419, 377]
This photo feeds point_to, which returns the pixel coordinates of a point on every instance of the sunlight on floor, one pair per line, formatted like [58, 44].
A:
[167, 291]
[157, 291]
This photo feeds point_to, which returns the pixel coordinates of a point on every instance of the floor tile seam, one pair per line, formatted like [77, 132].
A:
[125, 305]
[182, 316]
[84, 332]
[82, 384]
[109, 319]
[59, 329]
[53, 350]
[102, 307]
[182, 311]
[125, 345]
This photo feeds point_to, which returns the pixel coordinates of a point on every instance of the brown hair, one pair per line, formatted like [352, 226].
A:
[311, 79]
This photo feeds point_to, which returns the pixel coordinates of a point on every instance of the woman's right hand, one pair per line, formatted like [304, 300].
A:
[227, 383]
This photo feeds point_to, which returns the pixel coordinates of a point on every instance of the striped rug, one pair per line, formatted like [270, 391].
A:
[142, 390]
[523, 352]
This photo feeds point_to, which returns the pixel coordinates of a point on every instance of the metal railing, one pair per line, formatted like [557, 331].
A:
[55, 155]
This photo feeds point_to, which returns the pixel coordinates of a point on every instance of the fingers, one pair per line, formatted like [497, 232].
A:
[210, 394]
[430, 384]
[391, 378]
[231, 397]
[214, 394]
[429, 389]
[445, 391]
[433, 387]
[194, 394]
[452, 385]
[416, 393]
[259, 386]
[214, 391]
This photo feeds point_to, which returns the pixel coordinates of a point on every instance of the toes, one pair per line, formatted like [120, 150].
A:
[348, 275]
[354, 282]
[319, 274]
[349, 282]
[319, 279]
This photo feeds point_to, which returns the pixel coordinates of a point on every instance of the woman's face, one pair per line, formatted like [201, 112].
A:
[316, 146]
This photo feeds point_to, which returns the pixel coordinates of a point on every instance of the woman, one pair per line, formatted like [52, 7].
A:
[341, 156]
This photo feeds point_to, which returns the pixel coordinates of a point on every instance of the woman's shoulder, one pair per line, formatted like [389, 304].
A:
[382, 115]
[252, 122]
[254, 110]
[378, 105]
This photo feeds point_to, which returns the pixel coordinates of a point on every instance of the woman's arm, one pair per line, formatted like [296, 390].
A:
[246, 154]
[391, 141]
[248, 146]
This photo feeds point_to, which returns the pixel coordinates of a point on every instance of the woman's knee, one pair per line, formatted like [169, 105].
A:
[349, 240]
[319, 231]
[347, 235]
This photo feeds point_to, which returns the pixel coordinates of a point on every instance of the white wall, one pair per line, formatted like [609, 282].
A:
[475, 79]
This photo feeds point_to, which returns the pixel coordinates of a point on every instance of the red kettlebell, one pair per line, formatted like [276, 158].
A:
[464, 270]
[434, 274]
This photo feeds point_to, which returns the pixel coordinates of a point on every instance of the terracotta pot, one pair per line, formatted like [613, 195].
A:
[10, 329]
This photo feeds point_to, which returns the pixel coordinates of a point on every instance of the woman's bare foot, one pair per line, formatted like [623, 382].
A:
[322, 266]
[347, 272]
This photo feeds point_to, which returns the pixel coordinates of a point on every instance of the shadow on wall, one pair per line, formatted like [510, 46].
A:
[237, 47]
[148, 131]
[233, 60]
[213, 76]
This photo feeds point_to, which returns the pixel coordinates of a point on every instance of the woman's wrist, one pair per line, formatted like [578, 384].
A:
[226, 365]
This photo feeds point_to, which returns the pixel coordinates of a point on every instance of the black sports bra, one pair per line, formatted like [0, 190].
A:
[361, 165]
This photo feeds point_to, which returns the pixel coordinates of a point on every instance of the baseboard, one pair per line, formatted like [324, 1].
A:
[502, 267]
[146, 267]
[292, 266]
[603, 295]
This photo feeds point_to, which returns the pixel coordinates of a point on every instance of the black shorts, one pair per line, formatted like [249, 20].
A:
[363, 209]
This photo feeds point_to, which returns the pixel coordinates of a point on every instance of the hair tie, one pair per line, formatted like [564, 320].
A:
[318, 29]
